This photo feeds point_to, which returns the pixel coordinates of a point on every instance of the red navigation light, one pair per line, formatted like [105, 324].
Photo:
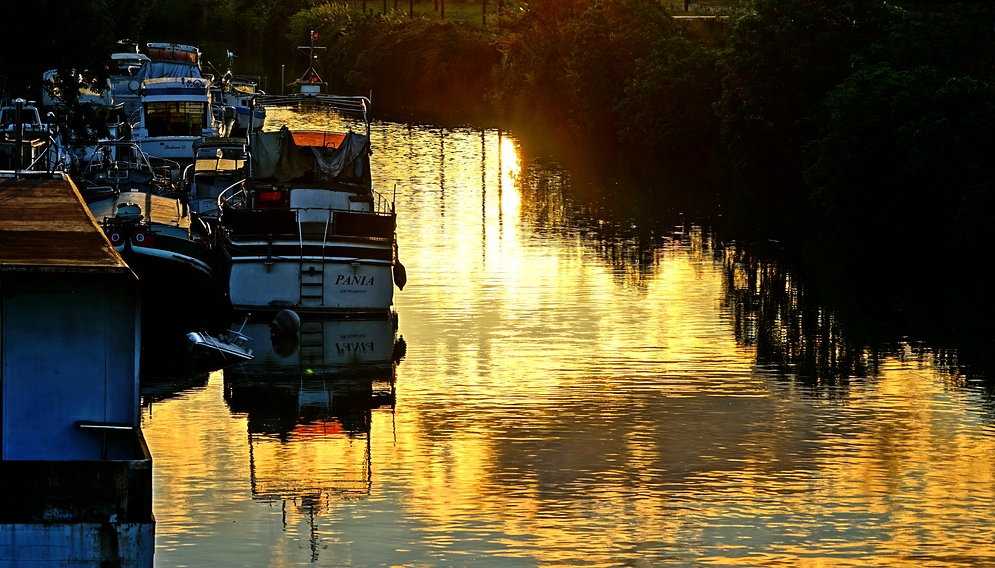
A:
[314, 79]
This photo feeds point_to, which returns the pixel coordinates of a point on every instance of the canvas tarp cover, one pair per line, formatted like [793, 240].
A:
[275, 156]
[349, 162]
[164, 69]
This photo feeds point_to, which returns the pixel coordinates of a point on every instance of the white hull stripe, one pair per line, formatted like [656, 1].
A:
[327, 259]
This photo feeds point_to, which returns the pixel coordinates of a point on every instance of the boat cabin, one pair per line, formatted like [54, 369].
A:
[175, 113]
[218, 164]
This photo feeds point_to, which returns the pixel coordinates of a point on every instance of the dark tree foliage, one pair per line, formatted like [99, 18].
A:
[77, 42]
[76, 38]
[667, 107]
[606, 44]
[571, 61]
[533, 78]
[901, 165]
[410, 65]
[904, 142]
[956, 40]
[782, 59]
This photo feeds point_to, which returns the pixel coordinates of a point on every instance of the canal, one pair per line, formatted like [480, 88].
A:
[571, 390]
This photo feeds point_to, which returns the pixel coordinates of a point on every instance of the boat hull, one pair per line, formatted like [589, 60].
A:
[178, 287]
[311, 285]
[178, 148]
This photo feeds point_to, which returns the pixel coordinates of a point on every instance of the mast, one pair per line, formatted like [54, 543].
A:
[310, 82]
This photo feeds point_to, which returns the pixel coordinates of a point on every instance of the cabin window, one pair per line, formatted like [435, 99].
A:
[175, 118]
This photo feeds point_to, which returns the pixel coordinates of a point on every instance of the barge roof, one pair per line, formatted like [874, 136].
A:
[46, 227]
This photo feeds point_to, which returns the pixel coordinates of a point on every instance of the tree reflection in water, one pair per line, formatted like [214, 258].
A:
[773, 309]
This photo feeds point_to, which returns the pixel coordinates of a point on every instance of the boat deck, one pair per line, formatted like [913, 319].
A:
[155, 208]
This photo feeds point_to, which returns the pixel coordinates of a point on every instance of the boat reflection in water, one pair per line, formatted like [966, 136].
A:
[309, 396]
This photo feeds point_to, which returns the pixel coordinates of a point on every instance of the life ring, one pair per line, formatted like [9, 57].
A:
[103, 113]
[140, 237]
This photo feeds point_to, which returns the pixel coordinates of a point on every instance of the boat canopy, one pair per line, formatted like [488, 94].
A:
[158, 69]
[277, 156]
[172, 88]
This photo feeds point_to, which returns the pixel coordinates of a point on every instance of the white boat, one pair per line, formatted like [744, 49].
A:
[307, 231]
[124, 82]
[164, 60]
[176, 108]
[175, 113]
[227, 348]
[27, 143]
[238, 92]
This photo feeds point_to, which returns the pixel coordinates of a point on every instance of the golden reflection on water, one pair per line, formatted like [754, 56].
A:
[560, 406]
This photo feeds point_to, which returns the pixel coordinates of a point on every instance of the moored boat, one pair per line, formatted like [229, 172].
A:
[149, 223]
[159, 239]
[124, 82]
[238, 92]
[175, 113]
[307, 230]
[121, 166]
[218, 164]
[27, 143]
[225, 349]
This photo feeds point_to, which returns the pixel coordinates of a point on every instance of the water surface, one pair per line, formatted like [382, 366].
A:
[573, 391]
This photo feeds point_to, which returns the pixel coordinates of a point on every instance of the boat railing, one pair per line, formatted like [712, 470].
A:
[235, 196]
[309, 224]
[381, 205]
[53, 157]
[102, 158]
[357, 106]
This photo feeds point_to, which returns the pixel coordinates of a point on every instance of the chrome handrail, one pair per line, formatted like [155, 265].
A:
[224, 199]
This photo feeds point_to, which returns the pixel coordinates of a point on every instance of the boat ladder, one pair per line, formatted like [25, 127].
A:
[312, 273]
[312, 348]
[312, 283]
